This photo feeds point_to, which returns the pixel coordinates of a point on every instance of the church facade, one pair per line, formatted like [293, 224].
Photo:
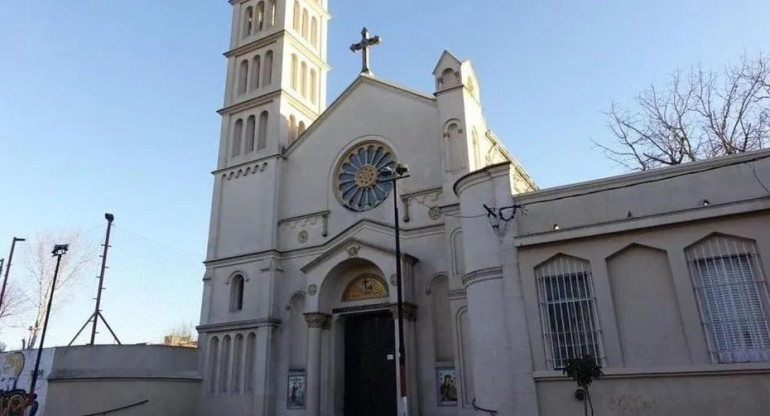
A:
[659, 276]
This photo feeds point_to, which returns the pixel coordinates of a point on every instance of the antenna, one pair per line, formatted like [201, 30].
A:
[97, 311]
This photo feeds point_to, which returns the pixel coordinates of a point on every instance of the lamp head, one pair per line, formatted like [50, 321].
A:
[19, 239]
[402, 168]
[60, 249]
[109, 217]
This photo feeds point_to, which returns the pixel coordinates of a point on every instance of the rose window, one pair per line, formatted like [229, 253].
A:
[360, 184]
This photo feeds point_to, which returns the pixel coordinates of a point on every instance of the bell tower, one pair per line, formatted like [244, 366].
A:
[276, 76]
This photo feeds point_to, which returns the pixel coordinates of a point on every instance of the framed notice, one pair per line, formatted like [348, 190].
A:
[295, 391]
[446, 386]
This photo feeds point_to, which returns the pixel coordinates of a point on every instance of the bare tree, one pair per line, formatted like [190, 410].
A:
[697, 115]
[15, 304]
[40, 266]
[181, 336]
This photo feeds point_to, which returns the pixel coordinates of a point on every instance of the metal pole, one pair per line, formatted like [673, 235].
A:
[8, 268]
[401, 348]
[58, 251]
[109, 218]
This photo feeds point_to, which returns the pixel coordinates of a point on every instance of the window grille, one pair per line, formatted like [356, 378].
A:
[567, 308]
[732, 296]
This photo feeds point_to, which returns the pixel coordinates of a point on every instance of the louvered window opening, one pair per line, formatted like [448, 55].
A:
[568, 313]
[733, 299]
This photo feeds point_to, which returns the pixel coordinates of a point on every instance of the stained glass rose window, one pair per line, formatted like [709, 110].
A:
[360, 173]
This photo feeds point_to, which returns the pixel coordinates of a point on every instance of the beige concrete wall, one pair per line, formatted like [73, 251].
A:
[149, 379]
[733, 392]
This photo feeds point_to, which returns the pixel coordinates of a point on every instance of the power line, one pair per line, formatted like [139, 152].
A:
[181, 250]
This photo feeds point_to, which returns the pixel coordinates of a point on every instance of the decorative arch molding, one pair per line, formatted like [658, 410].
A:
[632, 246]
[364, 287]
[561, 255]
[432, 279]
[717, 234]
[237, 273]
[295, 295]
[449, 123]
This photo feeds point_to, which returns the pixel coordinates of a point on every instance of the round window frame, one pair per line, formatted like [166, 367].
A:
[344, 159]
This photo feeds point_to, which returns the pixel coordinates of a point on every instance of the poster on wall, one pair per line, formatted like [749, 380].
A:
[295, 393]
[446, 384]
[16, 374]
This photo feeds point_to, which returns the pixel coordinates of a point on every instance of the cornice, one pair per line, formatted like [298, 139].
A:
[239, 325]
[250, 103]
[312, 55]
[353, 243]
[456, 294]
[258, 160]
[476, 276]
[255, 44]
[476, 176]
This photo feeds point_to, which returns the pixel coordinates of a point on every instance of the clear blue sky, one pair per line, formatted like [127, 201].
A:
[109, 105]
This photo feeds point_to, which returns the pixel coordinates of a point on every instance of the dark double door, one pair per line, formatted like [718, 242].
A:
[370, 369]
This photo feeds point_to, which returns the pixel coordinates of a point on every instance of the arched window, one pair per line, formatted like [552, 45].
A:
[243, 77]
[726, 273]
[224, 370]
[248, 21]
[449, 78]
[236, 292]
[272, 13]
[213, 363]
[476, 149]
[294, 64]
[255, 68]
[304, 23]
[267, 73]
[303, 79]
[568, 311]
[292, 129]
[455, 147]
[237, 138]
[296, 16]
[262, 136]
[301, 128]
[313, 87]
[251, 346]
[314, 32]
[250, 132]
[237, 363]
[260, 15]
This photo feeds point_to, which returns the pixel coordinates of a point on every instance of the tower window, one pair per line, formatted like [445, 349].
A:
[260, 15]
[304, 23]
[303, 79]
[314, 32]
[262, 136]
[292, 129]
[243, 77]
[267, 73]
[237, 138]
[301, 129]
[313, 86]
[294, 64]
[248, 21]
[296, 16]
[255, 68]
[250, 132]
[236, 293]
[272, 13]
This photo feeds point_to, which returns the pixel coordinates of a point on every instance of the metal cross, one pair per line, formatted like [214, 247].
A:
[366, 43]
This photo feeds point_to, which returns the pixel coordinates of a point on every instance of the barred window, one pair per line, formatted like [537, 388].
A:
[732, 296]
[567, 309]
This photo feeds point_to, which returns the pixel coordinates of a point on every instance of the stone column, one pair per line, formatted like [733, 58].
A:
[316, 322]
[410, 346]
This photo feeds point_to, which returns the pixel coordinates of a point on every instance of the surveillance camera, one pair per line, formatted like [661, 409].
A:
[402, 168]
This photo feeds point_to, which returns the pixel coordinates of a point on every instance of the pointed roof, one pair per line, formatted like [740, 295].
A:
[360, 80]
[446, 56]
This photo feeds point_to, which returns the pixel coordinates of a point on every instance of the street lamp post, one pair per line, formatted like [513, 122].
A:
[58, 251]
[400, 172]
[8, 268]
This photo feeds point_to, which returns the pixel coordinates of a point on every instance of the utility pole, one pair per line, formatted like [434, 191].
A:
[400, 172]
[8, 268]
[59, 250]
[97, 310]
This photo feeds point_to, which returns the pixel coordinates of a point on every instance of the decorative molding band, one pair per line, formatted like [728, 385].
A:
[257, 101]
[122, 374]
[491, 273]
[421, 197]
[244, 170]
[239, 325]
[302, 221]
[456, 294]
[670, 372]
[353, 246]
[410, 311]
[245, 164]
[317, 320]
[479, 176]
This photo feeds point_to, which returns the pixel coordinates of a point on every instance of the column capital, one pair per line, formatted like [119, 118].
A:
[316, 319]
[410, 311]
